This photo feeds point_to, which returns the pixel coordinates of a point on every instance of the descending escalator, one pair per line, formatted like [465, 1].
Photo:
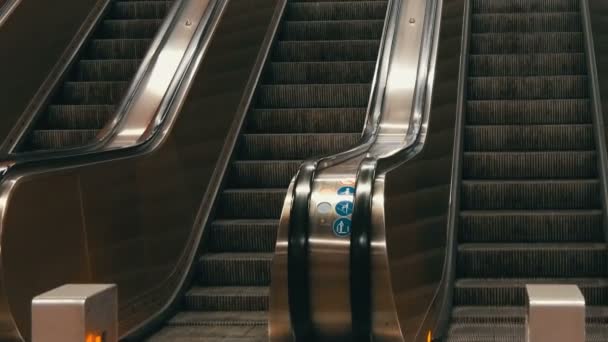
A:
[531, 209]
[99, 78]
[311, 100]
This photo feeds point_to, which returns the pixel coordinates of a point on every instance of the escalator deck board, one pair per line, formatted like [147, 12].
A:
[311, 100]
[531, 208]
[99, 78]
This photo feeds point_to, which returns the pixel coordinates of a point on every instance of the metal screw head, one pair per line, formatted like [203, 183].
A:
[188, 22]
[412, 20]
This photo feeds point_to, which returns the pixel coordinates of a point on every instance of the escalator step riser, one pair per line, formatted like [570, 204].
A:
[99, 70]
[316, 51]
[360, 10]
[328, 30]
[129, 29]
[529, 138]
[56, 139]
[502, 6]
[509, 333]
[260, 174]
[504, 88]
[242, 272]
[251, 204]
[243, 237]
[532, 263]
[117, 48]
[527, 65]
[530, 195]
[226, 303]
[552, 227]
[575, 111]
[94, 93]
[140, 10]
[77, 117]
[528, 22]
[529, 165]
[314, 120]
[516, 296]
[284, 146]
[517, 43]
[312, 96]
[319, 73]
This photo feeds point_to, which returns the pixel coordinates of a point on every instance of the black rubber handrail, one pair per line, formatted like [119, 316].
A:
[360, 253]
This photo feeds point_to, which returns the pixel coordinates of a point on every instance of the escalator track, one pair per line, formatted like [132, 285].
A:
[311, 100]
[531, 209]
[99, 78]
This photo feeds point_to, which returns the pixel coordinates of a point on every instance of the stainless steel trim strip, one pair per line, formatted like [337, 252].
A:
[7, 10]
[596, 103]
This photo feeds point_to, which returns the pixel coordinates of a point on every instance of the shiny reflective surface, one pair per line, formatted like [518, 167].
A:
[135, 216]
[6, 9]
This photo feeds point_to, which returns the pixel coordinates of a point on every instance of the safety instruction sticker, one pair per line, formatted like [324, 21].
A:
[344, 208]
[346, 191]
[342, 227]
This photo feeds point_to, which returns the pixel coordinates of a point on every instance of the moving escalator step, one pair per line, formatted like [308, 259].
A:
[98, 80]
[311, 100]
[531, 208]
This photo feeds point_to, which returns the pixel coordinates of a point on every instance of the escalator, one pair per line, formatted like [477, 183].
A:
[100, 76]
[531, 209]
[311, 100]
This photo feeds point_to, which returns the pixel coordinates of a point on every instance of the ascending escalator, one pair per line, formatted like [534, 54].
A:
[311, 100]
[530, 199]
[99, 78]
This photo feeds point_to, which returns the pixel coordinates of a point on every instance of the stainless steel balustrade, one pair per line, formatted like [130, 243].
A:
[384, 280]
[7, 8]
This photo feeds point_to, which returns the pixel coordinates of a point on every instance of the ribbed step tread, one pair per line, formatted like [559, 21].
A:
[129, 29]
[140, 9]
[262, 173]
[117, 48]
[77, 117]
[332, 30]
[502, 6]
[306, 120]
[532, 88]
[105, 70]
[541, 194]
[235, 269]
[219, 318]
[530, 165]
[531, 226]
[293, 146]
[492, 260]
[312, 95]
[508, 332]
[467, 314]
[41, 139]
[244, 235]
[526, 22]
[356, 10]
[528, 65]
[529, 138]
[231, 298]
[92, 93]
[512, 292]
[251, 203]
[318, 72]
[526, 43]
[506, 112]
[326, 50]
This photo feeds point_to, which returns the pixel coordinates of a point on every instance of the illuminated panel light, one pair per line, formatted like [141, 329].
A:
[429, 337]
[94, 337]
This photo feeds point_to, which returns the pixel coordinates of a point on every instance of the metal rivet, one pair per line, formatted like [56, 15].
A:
[412, 20]
[188, 22]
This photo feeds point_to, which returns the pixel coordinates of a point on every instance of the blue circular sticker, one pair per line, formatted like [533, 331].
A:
[342, 227]
[344, 208]
[346, 191]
